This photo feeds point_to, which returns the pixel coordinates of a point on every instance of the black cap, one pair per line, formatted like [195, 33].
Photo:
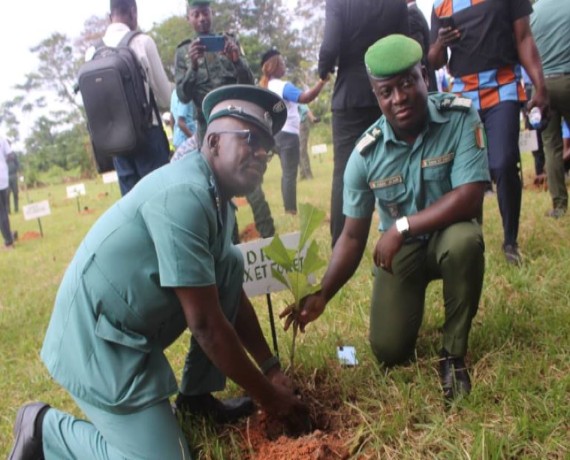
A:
[249, 103]
[268, 55]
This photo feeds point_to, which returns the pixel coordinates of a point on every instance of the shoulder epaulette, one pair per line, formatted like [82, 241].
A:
[455, 103]
[184, 42]
[369, 138]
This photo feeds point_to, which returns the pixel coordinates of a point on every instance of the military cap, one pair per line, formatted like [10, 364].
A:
[268, 55]
[249, 103]
[193, 3]
[392, 55]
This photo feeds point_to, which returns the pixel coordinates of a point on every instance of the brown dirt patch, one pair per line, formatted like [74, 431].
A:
[87, 210]
[29, 236]
[264, 439]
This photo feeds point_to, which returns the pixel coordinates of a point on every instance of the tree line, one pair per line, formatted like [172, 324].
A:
[58, 143]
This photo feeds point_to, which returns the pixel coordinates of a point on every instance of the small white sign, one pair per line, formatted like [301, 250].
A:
[257, 278]
[36, 210]
[528, 141]
[110, 177]
[319, 149]
[75, 190]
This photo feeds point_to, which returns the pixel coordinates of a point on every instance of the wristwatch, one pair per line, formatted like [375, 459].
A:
[403, 226]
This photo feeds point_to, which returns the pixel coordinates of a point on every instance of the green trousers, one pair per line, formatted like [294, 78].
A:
[150, 434]
[559, 94]
[455, 255]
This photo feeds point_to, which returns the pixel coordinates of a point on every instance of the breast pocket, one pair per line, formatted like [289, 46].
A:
[391, 199]
[436, 177]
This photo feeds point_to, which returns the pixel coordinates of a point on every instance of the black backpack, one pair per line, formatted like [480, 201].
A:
[119, 113]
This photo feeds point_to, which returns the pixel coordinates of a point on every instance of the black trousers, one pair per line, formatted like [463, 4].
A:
[347, 125]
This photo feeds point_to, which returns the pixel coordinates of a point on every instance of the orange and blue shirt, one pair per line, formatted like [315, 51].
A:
[484, 60]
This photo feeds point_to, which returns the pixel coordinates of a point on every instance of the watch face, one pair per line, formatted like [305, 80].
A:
[402, 225]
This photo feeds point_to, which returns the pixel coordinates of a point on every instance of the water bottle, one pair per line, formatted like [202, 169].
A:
[535, 118]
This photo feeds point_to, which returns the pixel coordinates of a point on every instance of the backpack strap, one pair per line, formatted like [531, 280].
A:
[125, 41]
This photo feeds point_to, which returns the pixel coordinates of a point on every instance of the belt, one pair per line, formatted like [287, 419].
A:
[557, 75]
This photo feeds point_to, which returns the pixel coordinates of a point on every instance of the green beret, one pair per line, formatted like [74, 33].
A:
[392, 55]
[194, 3]
[249, 103]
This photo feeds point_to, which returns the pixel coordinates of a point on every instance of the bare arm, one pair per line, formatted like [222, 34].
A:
[220, 341]
[311, 94]
[184, 127]
[225, 348]
[530, 59]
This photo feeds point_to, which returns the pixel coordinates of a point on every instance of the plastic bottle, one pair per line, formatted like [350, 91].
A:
[535, 118]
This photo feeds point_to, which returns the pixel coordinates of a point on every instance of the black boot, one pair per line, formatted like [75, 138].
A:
[28, 433]
[455, 379]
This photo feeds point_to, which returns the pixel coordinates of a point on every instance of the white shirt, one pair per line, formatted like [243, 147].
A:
[5, 150]
[293, 122]
[147, 52]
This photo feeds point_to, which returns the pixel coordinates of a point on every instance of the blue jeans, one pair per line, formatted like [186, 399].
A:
[288, 147]
[4, 219]
[133, 168]
[502, 128]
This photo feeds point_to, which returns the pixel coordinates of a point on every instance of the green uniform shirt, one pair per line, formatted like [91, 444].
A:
[402, 179]
[550, 23]
[214, 70]
[115, 311]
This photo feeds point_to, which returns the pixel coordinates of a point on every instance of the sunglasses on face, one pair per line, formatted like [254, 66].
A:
[254, 141]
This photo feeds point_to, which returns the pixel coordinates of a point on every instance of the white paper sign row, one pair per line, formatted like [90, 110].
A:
[75, 190]
[36, 210]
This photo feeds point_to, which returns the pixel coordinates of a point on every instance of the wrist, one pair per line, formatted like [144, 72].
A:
[402, 226]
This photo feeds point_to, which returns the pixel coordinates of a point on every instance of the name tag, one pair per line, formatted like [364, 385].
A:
[430, 162]
[381, 183]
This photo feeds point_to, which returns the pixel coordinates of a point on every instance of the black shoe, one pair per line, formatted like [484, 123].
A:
[227, 411]
[455, 379]
[512, 254]
[27, 441]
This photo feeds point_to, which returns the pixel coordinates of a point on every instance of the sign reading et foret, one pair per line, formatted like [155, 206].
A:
[257, 277]
[36, 210]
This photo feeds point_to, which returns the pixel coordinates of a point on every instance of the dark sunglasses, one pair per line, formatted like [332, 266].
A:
[254, 141]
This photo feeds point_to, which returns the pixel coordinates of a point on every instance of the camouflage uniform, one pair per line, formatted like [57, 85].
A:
[215, 70]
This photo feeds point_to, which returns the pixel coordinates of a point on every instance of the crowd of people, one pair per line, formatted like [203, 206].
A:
[422, 159]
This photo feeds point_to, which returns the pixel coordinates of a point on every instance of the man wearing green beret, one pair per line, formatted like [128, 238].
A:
[199, 71]
[157, 262]
[423, 165]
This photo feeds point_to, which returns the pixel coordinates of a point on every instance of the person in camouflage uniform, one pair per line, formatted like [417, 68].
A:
[198, 72]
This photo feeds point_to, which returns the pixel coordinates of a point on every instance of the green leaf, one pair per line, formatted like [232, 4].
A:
[279, 254]
[312, 261]
[311, 218]
[281, 277]
[299, 286]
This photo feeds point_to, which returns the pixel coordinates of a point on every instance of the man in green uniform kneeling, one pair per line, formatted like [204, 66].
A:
[157, 262]
[424, 165]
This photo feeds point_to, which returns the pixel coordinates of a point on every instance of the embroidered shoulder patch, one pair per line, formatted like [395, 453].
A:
[480, 136]
[381, 183]
[369, 138]
[430, 162]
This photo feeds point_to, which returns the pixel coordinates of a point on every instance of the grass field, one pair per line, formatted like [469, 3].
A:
[519, 347]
